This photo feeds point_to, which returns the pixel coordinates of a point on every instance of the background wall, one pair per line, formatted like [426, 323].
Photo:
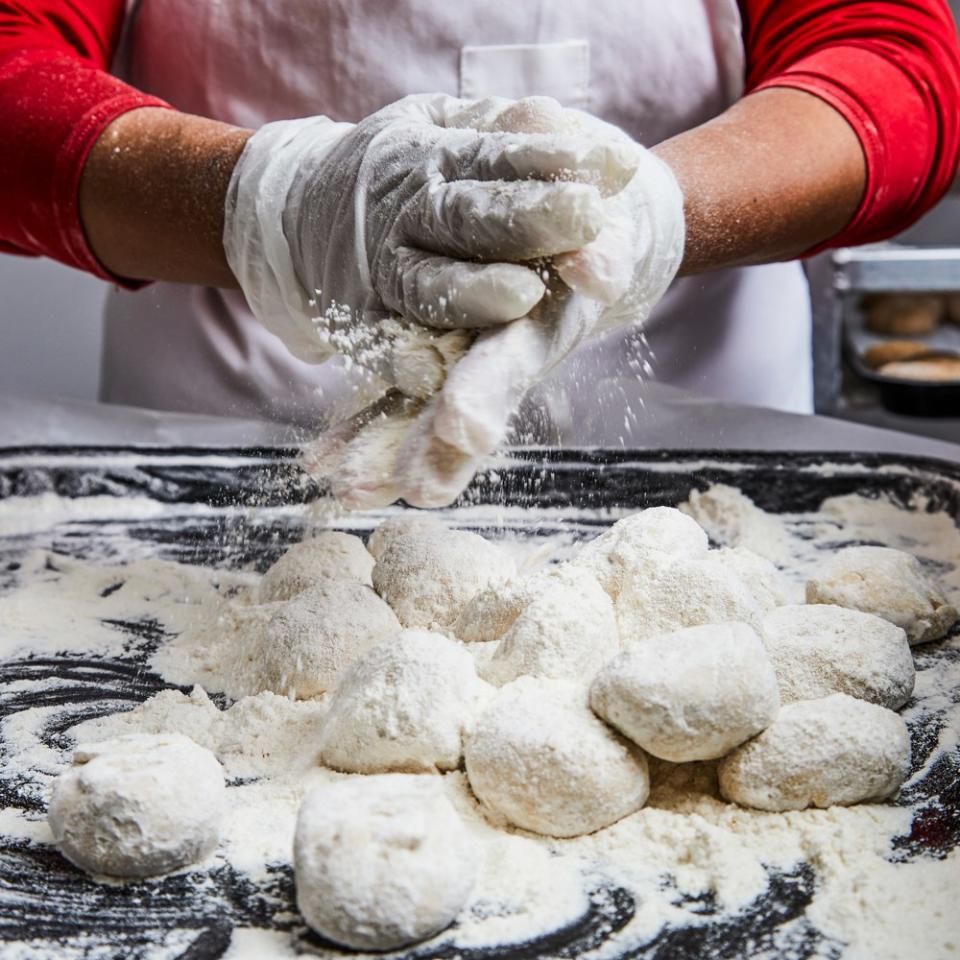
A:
[50, 329]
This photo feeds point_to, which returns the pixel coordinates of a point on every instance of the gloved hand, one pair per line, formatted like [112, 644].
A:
[427, 453]
[355, 239]
[616, 280]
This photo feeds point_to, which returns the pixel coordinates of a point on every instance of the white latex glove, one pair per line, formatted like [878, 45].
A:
[617, 280]
[351, 238]
[427, 454]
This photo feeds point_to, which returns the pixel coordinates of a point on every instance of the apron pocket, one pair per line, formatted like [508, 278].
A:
[558, 70]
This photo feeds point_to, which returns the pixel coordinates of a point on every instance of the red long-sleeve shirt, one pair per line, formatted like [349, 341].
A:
[890, 67]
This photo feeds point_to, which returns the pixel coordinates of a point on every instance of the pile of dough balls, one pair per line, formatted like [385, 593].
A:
[550, 689]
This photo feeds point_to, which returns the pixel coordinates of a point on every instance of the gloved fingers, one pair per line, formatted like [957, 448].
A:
[496, 220]
[608, 164]
[444, 293]
[430, 472]
[603, 269]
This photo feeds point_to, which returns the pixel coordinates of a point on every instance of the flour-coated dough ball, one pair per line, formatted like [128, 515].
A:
[690, 695]
[630, 542]
[684, 592]
[428, 576]
[769, 586]
[539, 758]
[492, 611]
[889, 583]
[328, 555]
[818, 649]
[310, 639]
[409, 522]
[818, 753]
[138, 805]
[568, 629]
[403, 706]
[381, 862]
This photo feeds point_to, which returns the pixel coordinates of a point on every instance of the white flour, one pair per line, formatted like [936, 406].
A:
[685, 849]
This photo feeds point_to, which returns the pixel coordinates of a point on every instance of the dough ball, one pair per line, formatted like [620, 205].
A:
[568, 629]
[661, 531]
[817, 753]
[428, 576]
[888, 583]
[310, 639]
[818, 650]
[768, 586]
[734, 520]
[409, 522]
[684, 592]
[403, 706]
[381, 862]
[540, 759]
[690, 695]
[489, 614]
[902, 314]
[328, 555]
[138, 805]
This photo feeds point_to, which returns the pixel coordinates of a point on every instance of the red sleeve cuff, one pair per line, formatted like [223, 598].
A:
[891, 68]
[894, 135]
[53, 108]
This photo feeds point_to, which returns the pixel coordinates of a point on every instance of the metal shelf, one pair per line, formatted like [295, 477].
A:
[838, 279]
[896, 268]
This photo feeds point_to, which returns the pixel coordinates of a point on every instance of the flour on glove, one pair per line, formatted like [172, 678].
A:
[367, 239]
[431, 448]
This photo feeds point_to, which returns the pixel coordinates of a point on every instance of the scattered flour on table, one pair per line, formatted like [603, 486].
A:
[686, 842]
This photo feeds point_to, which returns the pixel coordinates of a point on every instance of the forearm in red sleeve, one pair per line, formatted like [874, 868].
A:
[56, 98]
[892, 69]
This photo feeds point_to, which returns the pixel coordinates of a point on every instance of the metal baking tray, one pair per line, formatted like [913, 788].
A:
[915, 398]
[51, 909]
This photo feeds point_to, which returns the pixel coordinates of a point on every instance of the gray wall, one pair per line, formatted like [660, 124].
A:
[50, 329]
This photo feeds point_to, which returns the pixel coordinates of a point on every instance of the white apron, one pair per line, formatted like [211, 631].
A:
[651, 67]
